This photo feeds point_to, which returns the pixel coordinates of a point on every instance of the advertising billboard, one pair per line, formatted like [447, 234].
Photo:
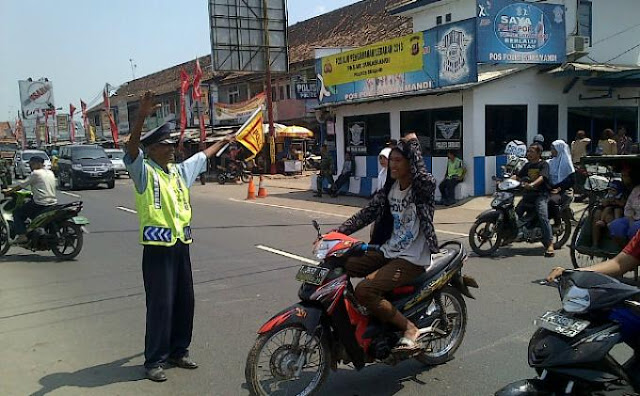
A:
[435, 58]
[518, 32]
[35, 97]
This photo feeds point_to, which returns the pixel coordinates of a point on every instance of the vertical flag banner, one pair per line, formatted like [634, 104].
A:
[72, 126]
[197, 97]
[112, 121]
[85, 124]
[184, 86]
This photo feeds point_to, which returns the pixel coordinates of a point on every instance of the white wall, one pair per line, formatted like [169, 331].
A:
[611, 17]
[425, 17]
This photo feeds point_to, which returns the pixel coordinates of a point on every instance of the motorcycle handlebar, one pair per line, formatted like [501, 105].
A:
[366, 247]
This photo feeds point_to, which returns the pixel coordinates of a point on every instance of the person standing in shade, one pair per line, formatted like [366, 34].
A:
[326, 171]
[579, 149]
[623, 141]
[164, 212]
[455, 174]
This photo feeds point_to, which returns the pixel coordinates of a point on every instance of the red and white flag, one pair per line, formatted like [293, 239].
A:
[72, 126]
[83, 108]
[112, 122]
[197, 97]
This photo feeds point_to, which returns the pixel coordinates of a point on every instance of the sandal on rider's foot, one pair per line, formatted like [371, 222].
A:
[406, 344]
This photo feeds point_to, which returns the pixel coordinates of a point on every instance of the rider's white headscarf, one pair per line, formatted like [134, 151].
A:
[560, 166]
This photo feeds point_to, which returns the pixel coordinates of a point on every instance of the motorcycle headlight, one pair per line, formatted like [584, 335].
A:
[500, 197]
[77, 167]
[575, 299]
[322, 248]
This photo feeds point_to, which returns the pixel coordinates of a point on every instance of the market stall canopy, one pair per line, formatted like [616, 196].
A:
[295, 132]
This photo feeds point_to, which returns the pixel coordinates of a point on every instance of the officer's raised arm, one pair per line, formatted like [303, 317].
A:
[147, 106]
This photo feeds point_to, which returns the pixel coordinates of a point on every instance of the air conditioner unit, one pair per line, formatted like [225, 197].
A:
[577, 44]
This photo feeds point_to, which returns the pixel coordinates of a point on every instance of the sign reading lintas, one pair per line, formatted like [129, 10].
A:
[519, 32]
[388, 57]
[415, 63]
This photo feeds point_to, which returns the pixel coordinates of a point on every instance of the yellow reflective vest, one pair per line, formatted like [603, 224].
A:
[164, 209]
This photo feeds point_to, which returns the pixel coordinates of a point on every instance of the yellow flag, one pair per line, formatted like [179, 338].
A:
[251, 134]
[92, 133]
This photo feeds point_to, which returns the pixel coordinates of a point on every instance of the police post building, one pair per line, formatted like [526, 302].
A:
[476, 74]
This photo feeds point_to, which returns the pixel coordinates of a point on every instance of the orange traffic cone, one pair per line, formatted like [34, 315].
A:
[251, 194]
[262, 190]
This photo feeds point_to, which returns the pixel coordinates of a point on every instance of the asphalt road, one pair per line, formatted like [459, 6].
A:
[77, 328]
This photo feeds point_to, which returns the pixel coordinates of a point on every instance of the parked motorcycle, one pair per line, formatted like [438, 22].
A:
[237, 171]
[500, 225]
[58, 228]
[571, 349]
[296, 348]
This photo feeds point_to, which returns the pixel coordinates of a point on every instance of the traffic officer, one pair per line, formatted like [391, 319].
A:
[164, 211]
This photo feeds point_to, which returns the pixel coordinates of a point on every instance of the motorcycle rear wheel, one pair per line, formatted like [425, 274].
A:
[69, 240]
[564, 237]
[222, 179]
[280, 362]
[441, 350]
[4, 239]
[482, 234]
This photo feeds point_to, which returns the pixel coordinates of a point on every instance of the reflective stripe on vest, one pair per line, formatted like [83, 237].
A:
[163, 208]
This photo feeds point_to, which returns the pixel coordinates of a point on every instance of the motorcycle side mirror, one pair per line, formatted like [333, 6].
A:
[316, 226]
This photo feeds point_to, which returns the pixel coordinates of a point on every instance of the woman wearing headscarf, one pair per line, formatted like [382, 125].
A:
[561, 172]
[383, 159]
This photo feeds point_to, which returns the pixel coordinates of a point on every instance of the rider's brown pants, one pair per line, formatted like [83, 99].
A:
[382, 276]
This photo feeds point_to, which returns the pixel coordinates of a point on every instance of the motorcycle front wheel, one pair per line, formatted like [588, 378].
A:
[287, 361]
[440, 348]
[484, 237]
[68, 242]
[564, 231]
[246, 177]
[221, 178]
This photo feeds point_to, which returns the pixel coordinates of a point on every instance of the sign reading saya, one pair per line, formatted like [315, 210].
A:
[400, 55]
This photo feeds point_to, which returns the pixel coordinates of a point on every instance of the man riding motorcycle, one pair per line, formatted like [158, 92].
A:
[42, 183]
[403, 214]
[535, 177]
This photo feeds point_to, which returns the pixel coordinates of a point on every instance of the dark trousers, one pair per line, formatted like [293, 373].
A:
[448, 190]
[168, 285]
[341, 181]
[27, 211]
[320, 180]
[382, 276]
[539, 203]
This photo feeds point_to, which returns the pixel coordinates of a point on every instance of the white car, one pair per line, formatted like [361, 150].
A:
[116, 156]
[21, 162]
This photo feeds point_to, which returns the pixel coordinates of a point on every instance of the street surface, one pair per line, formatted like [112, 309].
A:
[77, 328]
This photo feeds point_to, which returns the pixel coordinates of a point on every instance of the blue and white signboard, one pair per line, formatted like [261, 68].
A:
[448, 58]
[517, 32]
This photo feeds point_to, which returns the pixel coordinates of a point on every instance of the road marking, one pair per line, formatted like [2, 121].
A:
[287, 254]
[460, 234]
[126, 209]
[70, 194]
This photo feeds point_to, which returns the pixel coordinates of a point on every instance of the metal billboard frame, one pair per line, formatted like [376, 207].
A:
[243, 32]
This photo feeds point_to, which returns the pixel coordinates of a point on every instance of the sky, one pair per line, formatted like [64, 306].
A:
[80, 45]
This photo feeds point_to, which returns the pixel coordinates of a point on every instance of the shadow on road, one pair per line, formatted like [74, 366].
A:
[31, 258]
[344, 200]
[376, 379]
[93, 377]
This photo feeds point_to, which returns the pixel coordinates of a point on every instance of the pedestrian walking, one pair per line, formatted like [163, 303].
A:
[164, 212]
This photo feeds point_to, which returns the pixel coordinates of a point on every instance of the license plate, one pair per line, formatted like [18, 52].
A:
[312, 274]
[562, 324]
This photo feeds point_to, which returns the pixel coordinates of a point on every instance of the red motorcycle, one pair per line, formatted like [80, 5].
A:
[296, 348]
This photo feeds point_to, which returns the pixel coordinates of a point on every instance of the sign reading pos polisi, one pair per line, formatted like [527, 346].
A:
[417, 62]
[35, 97]
[519, 32]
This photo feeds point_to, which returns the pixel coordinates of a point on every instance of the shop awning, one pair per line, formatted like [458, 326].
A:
[603, 75]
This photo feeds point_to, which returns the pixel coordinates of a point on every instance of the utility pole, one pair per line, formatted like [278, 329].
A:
[272, 140]
[133, 68]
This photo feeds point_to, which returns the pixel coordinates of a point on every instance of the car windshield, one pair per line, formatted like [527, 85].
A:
[115, 154]
[89, 153]
[28, 156]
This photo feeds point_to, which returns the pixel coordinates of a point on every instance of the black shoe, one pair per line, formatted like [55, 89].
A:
[184, 362]
[156, 374]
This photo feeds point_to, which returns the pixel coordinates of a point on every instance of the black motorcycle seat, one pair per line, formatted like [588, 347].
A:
[440, 261]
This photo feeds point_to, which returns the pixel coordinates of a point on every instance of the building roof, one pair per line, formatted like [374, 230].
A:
[356, 25]
[398, 6]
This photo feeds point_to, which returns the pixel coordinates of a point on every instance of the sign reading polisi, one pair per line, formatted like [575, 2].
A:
[35, 97]
[517, 32]
[405, 65]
